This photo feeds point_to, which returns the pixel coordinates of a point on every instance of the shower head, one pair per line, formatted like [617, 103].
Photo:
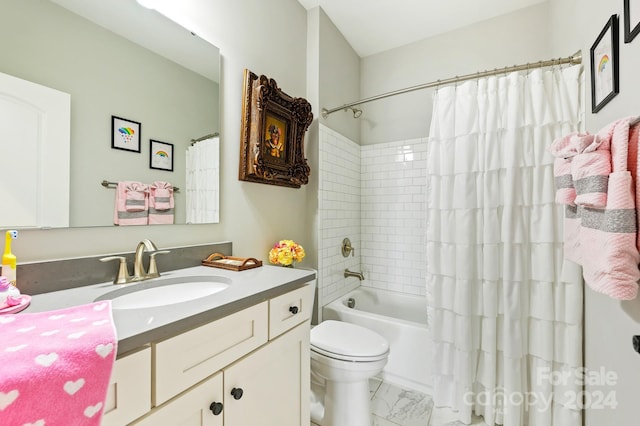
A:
[356, 112]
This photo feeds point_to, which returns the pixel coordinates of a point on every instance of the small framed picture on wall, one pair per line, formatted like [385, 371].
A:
[631, 20]
[161, 155]
[125, 134]
[604, 65]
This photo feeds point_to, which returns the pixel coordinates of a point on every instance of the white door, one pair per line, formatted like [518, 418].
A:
[35, 126]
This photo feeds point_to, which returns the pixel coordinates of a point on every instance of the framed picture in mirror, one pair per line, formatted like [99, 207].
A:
[160, 155]
[272, 134]
[125, 134]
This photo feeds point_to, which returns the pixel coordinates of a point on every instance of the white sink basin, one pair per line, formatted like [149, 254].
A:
[164, 292]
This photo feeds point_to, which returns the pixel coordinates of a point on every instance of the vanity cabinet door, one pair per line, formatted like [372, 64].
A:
[195, 407]
[129, 393]
[270, 386]
[186, 359]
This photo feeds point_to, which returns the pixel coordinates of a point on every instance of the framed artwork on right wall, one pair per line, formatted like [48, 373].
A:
[604, 65]
[631, 20]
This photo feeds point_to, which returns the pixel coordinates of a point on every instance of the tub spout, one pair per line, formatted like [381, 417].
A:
[348, 273]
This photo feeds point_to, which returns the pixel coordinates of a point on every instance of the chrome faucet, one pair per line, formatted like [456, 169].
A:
[139, 274]
[138, 267]
[358, 275]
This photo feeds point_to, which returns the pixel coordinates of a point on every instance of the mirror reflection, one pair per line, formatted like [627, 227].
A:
[117, 58]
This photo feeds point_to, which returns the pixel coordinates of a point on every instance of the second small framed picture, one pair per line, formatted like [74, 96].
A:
[161, 155]
[604, 66]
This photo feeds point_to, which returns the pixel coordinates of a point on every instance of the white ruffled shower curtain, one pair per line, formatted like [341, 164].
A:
[203, 181]
[506, 316]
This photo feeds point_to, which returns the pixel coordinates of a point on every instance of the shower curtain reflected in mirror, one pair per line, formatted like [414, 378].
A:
[505, 308]
[202, 182]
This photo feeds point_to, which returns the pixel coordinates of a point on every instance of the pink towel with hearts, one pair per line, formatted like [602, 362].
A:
[56, 365]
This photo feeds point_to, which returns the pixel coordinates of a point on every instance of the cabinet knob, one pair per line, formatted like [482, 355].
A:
[237, 393]
[216, 408]
[293, 310]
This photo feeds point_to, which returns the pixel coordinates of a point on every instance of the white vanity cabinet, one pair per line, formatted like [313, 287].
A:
[248, 368]
[129, 393]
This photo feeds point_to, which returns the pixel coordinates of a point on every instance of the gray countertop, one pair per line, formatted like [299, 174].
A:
[138, 327]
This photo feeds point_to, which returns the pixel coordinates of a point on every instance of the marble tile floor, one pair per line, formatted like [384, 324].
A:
[393, 406]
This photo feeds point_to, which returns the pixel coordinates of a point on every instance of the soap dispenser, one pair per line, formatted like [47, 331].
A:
[8, 259]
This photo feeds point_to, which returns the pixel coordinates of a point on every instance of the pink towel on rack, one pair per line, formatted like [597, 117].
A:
[161, 203]
[608, 237]
[590, 170]
[132, 203]
[56, 365]
[564, 150]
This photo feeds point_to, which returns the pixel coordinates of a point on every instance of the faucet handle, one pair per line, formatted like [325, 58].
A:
[153, 266]
[123, 272]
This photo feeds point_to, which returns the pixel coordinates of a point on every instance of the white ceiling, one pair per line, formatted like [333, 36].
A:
[373, 26]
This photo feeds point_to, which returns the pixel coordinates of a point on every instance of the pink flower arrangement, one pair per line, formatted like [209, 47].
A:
[285, 252]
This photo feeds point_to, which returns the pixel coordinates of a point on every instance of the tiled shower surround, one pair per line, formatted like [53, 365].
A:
[393, 215]
[376, 196]
[339, 214]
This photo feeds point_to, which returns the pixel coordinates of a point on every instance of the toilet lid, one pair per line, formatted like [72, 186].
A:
[344, 340]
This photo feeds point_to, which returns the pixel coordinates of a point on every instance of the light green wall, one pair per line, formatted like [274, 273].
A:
[107, 75]
[609, 324]
[339, 78]
[516, 38]
[268, 38]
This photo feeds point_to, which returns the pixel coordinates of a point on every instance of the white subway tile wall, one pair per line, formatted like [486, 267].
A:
[376, 196]
[339, 214]
[393, 215]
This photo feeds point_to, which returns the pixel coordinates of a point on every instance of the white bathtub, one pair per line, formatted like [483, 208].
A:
[399, 318]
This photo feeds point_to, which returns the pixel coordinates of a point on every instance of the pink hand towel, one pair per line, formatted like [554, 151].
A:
[590, 170]
[132, 204]
[565, 191]
[56, 365]
[136, 197]
[564, 150]
[161, 203]
[608, 251]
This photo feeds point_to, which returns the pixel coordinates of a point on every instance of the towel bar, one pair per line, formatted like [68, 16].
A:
[108, 184]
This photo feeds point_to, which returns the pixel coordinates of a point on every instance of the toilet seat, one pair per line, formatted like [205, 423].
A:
[348, 342]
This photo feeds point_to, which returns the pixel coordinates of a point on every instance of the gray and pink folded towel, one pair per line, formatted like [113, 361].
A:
[141, 204]
[581, 169]
[161, 203]
[597, 180]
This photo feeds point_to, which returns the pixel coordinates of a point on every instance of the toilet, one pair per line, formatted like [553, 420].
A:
[344, 357]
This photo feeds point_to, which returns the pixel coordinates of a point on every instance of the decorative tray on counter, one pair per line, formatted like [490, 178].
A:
[217, 260]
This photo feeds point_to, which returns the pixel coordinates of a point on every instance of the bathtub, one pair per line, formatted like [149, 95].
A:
[399, 318]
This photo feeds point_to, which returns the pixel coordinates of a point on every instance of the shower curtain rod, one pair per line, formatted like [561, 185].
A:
[204, 138]
[574, 59]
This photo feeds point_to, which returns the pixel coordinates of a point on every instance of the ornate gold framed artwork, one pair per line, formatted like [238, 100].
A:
[272, 134]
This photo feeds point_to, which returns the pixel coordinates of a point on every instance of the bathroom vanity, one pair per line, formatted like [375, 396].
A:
[235, 358]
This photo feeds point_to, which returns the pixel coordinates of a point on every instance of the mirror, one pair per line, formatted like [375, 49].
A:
[116, 58]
